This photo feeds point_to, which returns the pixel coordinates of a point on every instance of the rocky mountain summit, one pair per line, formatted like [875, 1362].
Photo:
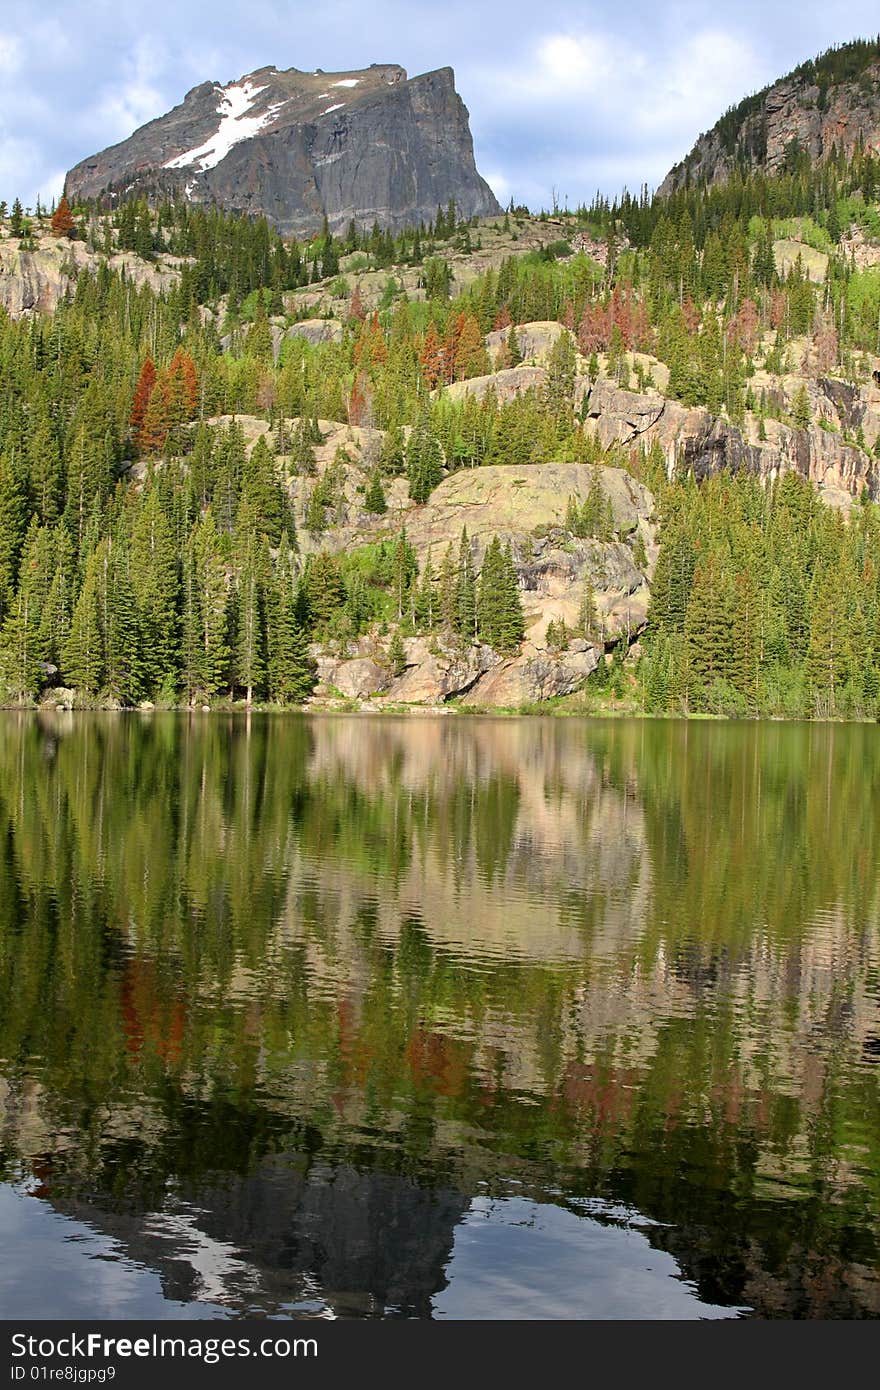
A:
[370, 145]
[830, 104]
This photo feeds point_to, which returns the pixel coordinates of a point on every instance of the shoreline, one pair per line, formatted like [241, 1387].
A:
[340, 708]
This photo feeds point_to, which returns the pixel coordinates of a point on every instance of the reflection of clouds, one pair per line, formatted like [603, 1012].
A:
[516, 1258]
[56, 1267]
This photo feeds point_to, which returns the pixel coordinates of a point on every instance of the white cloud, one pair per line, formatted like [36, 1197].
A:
[10, 53]
[595, 110]
[711, 71]
[137, 98]
[566, 63]
[500, 185]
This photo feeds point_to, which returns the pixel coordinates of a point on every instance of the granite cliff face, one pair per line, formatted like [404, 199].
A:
[369, 145]
[832, 103]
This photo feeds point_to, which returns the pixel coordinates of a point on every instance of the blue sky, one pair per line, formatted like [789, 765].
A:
[564, 98]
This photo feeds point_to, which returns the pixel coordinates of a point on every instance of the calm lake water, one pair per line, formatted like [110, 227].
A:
[438, 1017]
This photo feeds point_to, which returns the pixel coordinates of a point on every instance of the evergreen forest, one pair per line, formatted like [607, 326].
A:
[150, 550]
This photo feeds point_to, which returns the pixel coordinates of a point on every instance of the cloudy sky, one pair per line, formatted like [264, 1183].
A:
[564, 97]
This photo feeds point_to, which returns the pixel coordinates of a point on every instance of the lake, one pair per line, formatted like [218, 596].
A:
[438, 1017]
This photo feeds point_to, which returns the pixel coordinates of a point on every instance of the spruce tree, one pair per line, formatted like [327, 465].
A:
[119, 622]
[374, 500]
[154, 573]
[397, 653]
[291, 670]
[83, 654]
[424, 462]
[250, 648]
[465, 620]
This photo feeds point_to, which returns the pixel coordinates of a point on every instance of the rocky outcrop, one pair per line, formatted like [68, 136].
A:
[33, 282]
[514, 502]
[826, 105]
[437, 672]
[367, 145]
[525, 507]
[314, 331]
[506, 384]
[535, 676]
[706, 443]
[357, 678]
[536, 339]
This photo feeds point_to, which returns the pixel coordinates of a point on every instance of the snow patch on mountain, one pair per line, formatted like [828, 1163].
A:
[346, 82]
[235, 125]
[335, 107]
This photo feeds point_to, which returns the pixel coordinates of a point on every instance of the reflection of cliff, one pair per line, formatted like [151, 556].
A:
[293, 1236]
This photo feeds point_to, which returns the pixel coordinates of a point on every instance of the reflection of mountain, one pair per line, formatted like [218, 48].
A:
[291, 1236]
[636, 962]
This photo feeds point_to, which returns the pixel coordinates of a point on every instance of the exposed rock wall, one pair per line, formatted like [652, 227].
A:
[525, 507]
[707, 444]
[368, 145]
[33, 282]
[794, 109]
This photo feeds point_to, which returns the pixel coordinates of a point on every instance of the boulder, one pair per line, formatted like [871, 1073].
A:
[534, 676]
[361, 677]
[317, 331]
[436, 673]
[511, 382]
[536, 340]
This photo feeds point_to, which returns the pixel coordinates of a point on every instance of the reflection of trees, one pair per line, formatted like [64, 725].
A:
[637, 961]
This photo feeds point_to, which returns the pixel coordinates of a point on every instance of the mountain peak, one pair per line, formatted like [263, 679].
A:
[366, 144]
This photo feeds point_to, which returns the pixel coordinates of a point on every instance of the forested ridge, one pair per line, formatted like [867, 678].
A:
[150, 549]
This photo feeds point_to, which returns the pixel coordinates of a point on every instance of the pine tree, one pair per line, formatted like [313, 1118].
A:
[22, 645]
[250, 648]
[63, 222]
[513, 623]
[424, 462]
[448, 585]
[302, 453]
[324, 588]
[83, 654]
[392, 455]
[119, 624]
[404, 571]
[155, 581]
[827, 652]
[291, 670]
[142, 393]
[800, 408]
[465, 619]
[58, 608]
[374, 500]
[559, 391]
[13, 521]
[205, 600]
[397, 653]
[499, 609]
[262, 490]
[490, 601]
[588, 613]
[46, 473]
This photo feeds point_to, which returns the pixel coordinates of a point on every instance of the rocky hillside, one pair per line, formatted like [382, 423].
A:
[368, 145]
[34, 279]
[828, 104]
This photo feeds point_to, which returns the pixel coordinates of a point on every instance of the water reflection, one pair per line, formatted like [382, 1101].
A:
[287, 1005]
